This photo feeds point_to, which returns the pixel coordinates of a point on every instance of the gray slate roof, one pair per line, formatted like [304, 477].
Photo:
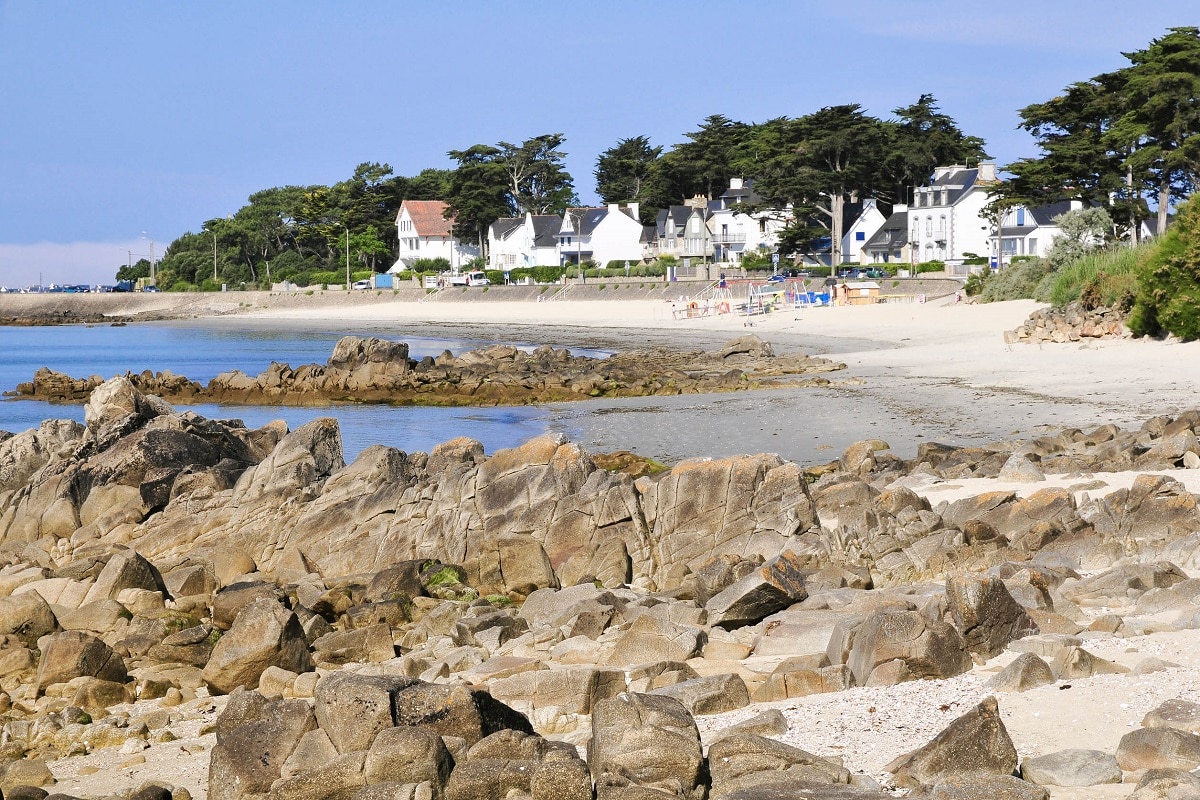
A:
[893, 235]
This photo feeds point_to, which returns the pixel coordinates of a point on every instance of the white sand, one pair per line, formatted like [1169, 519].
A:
[916, 372]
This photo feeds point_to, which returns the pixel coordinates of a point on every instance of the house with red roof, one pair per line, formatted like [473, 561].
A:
[424, 231]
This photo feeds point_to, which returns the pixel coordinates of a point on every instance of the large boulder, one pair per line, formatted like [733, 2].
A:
[74, 654]
[126, 569]
[255, 737]
[924, 648]
[772, 587]
[709, 694]
[1158, 748]
[1072, 768]
[408, 755]
[986, 614]
[743, 762]
[265, 634]
[352, 709]
[646, 741]
[652, 638]
[1176, 713]
[456, 711]
[975, 742]
[1024, 672]
[26, 617]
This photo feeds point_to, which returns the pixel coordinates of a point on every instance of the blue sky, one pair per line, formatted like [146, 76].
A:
[124, 119]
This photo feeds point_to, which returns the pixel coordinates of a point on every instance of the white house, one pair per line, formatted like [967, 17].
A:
[860, 230]
[735, 233]
[529, 241]
[946, 219]
[424, 232]
[602, 234]
[889, 244]
[1029, 231]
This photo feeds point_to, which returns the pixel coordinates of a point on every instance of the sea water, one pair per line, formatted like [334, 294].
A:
[202, 351]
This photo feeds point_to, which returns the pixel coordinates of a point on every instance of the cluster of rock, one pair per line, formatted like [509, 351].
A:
[1070, 323]
[380, 371]
[453, 625]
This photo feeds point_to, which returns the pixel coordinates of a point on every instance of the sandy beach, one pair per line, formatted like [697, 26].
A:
[916, 372]
[937, 371]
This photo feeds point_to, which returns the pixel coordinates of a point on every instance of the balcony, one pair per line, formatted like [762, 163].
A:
[729, 238]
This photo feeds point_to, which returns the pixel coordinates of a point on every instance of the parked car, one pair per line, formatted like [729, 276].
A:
[365, 283]
[149, 288]
[777, 278]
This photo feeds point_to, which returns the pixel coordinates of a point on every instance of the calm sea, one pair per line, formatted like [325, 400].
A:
[200, 352]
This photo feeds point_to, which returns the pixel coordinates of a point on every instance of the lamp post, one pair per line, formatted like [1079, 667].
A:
[153, 282]
[579, 244]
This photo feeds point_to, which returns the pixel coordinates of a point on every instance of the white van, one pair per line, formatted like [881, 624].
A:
[478, 279]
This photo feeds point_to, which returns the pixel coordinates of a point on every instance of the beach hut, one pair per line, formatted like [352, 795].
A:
[861, 293]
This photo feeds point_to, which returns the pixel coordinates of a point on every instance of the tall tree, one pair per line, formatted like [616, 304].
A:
[1120, 137]
[704, 164]
[1163, 116]
[537, 180]
[623, 171]
[818, 162]
[923, 138]
[478, 192]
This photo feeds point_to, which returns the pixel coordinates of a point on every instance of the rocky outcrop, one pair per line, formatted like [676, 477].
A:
[454, 624]
[380, 371]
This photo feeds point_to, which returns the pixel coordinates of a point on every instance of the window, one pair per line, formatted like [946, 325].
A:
[860, 236]
[915, 232]
[942, 227]
[1021, 217]
[929, 226]
[1033, 249]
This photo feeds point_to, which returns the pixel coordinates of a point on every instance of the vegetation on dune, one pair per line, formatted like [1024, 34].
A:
[1167, 298]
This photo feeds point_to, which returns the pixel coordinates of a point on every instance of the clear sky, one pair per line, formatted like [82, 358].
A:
[126, 122]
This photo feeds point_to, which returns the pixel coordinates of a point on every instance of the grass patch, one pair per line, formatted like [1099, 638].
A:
[1104, 274]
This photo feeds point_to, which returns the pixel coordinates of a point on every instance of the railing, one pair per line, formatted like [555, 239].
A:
[729, 238]
[566, 288]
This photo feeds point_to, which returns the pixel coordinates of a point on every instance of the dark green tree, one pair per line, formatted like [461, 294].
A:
[704, 164]
[1162, 116]
[920, 139]
[623, 171]
[478, 192]
[537, 180]
[817, 163]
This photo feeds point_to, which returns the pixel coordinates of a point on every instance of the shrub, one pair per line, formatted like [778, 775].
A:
[1017, 281]
[1168, 291]
[435, 265]
[977, 282]
[931, 266]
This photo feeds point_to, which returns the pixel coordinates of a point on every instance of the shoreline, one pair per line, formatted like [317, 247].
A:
[915, 372]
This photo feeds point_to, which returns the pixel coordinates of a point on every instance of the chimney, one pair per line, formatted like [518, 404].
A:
[614, 208]
[633, 211]
[898, 207]
[987, 171]
[736, 183]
